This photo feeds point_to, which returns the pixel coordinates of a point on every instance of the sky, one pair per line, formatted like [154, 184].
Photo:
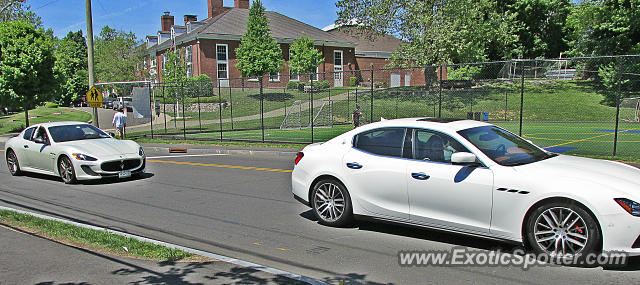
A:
[142, 17]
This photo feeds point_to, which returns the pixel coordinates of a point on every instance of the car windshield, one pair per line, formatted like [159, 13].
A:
[76, 132]
[504, 147]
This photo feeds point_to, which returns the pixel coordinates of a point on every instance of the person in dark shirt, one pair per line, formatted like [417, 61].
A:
[355, 117]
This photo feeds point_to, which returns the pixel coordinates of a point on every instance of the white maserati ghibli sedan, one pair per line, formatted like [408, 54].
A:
[473, 178]
[74, 151]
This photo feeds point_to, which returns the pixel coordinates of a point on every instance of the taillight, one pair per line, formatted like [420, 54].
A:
[299, 156]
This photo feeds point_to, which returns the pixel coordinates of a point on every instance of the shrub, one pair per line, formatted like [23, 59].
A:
[51, 105]
[17, 129]
[294, 84]
[322, 84]
[353, 81]
[380, 84]
[463, 73]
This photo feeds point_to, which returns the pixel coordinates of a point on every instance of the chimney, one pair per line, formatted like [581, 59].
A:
[167, 22]
[242, 4]
[215, 7]
[190, 18]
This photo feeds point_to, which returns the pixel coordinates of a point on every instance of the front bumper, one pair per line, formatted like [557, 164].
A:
[92, 170]
[620, 232]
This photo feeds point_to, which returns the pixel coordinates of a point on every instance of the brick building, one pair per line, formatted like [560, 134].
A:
[376, 54]
[209, 45]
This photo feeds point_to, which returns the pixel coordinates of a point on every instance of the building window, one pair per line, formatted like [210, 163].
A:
[144, 63]
[188, 54]
[314, 76]
[153, 62]
[222, 55]
[274, 77]
[164, 62]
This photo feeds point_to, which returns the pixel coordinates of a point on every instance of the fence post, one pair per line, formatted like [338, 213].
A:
[440, 94]
[618, 97]
[164, 108]
[220, 106]
[198, 94]
[397, 98]
[372, 83]
[152, 110]
[311, 106]
[521, 97]
[261, 108]
[231, 105]
[506, 107]
[184, 116]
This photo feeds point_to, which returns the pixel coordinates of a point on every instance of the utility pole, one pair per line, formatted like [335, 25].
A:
[90, 56]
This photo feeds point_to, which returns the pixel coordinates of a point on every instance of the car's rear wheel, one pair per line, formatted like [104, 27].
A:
[66, 170]
[562, 229]
[13, 164]
[331, 203]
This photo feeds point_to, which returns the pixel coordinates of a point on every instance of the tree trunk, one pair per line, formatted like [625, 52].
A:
[26, 116]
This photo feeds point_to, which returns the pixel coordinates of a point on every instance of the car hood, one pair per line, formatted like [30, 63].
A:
[609, 174]
[103, 147]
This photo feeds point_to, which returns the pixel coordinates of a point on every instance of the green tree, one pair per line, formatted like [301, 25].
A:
[175, 69]
[304, 58]
[116, 56]
[258, 53]
[434, 31]
[26, 66]
[71, 67]
[12, 10]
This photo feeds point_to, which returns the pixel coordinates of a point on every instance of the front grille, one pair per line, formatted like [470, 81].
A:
[118, 165]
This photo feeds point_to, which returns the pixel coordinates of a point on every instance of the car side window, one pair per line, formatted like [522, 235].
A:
[434, 146]
[42, 133]
[384, 141]
[28, 133]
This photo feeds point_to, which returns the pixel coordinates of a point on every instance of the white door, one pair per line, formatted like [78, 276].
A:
[39, 155]
[395, 80]
[375, 173]
[407, 79]
[445, 195]
[338, 68]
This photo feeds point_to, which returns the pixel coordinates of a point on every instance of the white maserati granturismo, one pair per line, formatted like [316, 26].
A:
[74, 151]
[473, 178]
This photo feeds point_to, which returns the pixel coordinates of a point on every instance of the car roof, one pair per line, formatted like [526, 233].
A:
[65, 123]
[452, 125]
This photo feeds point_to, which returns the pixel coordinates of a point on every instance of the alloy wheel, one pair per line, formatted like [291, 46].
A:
[329, 201]
[560, 231]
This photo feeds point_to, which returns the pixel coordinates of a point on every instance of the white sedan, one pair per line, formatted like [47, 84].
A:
[473, 178]
[74, 151]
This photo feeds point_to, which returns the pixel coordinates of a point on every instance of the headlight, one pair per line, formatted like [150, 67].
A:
[80, 156]
[141, 151]
[631, 207]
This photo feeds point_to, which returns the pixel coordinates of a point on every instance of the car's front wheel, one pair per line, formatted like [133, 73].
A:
[563, 229]
[331, 203]
[66, 170]
[13, 164]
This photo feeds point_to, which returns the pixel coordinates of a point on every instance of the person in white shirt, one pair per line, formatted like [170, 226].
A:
[120, 122]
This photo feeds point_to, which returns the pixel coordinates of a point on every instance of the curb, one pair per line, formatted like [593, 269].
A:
[251, 152]
[223, 258]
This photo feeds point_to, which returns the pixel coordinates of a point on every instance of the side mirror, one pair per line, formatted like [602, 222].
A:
[464, 158]
[112, 134]
[38, 140]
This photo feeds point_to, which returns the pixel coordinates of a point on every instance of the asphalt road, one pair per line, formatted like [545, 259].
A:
[202, 202]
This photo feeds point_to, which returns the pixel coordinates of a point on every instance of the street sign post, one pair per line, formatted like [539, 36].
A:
[94, 98]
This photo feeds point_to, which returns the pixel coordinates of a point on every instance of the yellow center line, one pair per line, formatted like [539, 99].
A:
[222, 165]
[575, 141]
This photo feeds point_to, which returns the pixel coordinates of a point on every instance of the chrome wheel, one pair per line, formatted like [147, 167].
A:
[12, 163]
[329, 202]
[66, 170]
[561, 231]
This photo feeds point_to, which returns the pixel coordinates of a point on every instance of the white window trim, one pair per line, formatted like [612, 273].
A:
[274, 80]
[164, 58]
[226, 62]
[188, 54]
[341, 58]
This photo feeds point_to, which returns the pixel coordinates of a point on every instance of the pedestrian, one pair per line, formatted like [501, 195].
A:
[120, 122]
[355, 117]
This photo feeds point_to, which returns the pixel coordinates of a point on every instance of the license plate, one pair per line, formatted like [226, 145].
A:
[124, 174]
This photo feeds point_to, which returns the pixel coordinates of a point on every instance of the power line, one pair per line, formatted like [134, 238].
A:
[45, 5]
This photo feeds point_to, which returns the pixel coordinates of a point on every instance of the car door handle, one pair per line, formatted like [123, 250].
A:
[420, 176]
[26, 146]
[354, 165]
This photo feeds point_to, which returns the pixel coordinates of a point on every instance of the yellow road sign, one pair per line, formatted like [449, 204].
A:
[94, 98]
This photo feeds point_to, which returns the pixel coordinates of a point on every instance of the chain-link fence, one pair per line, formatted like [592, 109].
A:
[585, 106]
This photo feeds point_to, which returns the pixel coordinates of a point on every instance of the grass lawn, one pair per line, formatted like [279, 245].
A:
[16, 123]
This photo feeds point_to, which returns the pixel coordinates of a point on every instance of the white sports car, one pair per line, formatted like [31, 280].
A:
[74, 151]
[474, 178]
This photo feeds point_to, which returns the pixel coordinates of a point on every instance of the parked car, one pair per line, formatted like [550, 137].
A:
[107, 103]
[74, 151]
[80, 102]
[473, 178]
[4, 110]
[122, 102]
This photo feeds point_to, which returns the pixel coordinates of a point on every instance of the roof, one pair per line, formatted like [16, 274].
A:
[231, 24]
[452, 125]
[64, 123]
[385, 43]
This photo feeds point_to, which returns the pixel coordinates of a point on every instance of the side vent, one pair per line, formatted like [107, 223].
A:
[512, 191]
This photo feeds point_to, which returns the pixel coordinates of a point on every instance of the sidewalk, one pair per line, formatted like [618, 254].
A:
[29, 259]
